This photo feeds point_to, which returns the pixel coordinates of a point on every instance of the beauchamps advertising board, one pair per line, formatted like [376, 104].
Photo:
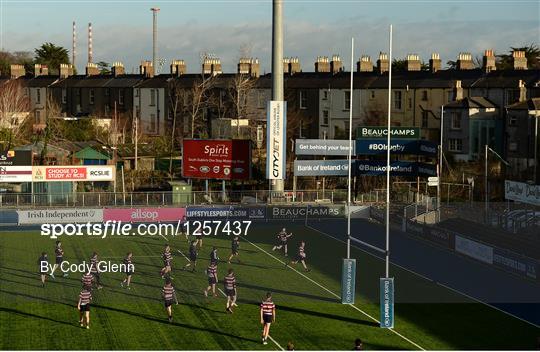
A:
[382, 132]
[73, 173]
[217, 159]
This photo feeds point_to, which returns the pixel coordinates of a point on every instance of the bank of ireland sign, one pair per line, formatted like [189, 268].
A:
[276, 140]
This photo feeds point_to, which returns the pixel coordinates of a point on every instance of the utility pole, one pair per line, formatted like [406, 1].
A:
[73, 45]
[154, 10]
[90, 50]
[277, 68]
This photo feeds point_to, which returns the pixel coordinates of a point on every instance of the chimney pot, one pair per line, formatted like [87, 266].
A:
[519, 60]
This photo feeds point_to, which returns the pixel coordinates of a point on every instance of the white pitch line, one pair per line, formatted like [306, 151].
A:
[428, 279]
[337, 296]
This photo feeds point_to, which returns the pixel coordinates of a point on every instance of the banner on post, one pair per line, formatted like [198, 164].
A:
[276, 140]
[348, 281]
[387, 302]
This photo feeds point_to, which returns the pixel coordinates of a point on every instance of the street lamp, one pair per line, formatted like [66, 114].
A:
[488, 149]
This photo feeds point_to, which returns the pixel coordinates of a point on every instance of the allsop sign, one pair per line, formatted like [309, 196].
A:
[382, 132]
[321, 167]
[323, 147]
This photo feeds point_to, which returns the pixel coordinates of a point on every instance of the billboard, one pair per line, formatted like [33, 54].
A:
[348, 281]
[397, 168]
[225, 212]
[397, 146]
[228, 159]
[58, 216]
[276, 141]
[522, 192]
[321, 167]
[16, 158]
[15, 173]
[302, 212]
[387, 302]
[73, 173]
[382, 132]
[144, 214]
[323, 147]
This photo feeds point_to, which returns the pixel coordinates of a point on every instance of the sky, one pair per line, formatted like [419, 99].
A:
[122, 30]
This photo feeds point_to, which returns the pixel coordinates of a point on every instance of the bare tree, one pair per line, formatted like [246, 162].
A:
[239, 90]
[14, 109]
[198, 98]
[176, 104]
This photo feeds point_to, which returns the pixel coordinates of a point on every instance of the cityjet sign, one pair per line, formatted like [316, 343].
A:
[276, 140]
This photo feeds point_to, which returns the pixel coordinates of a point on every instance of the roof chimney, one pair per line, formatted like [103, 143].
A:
[40, 70]
[382, 63]
[178, 67]
[413, 62]
[336, 65]
[322, 64]
[92, 69]
[66, 70]
[519, 60]
[294, 65]
[146, 69]
[464, 61]
[522, 90]
[286, 64]
[364, 64]
[435, 62]
[488, 61]
[249, 66]
[117, 69]
[17, 71]
[458, 91]
[211, 66]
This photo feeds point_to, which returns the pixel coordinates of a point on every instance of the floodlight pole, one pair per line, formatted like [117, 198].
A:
[388, 158]
[440, 168]
[350, 155]
[277, 70]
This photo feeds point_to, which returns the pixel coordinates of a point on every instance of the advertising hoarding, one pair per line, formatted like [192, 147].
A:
[522, 192]
[387, 302]
[382, 132]
[16, 158]
[144, 214]
[323, 147]
[397, 146]
[15, 174]
[348, 281]
[397, 168]
[73, 173]
[321, 167]
[276, 141]
[59, 216]
[228, 159]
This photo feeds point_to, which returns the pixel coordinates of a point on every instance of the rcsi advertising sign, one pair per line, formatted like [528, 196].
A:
[217, 159]
[276, 140]
[73, 173]
[144, 214]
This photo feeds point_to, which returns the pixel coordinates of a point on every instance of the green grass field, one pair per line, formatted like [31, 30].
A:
[309, 312]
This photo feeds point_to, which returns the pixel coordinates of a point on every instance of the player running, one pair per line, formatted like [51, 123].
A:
[211, 271]
[214, 258]
[168, 293]
[167, 258]
[235, 245]
[192, 256]
[127, 261]
[268, 316]
[59, 252]
[84, 307]
[301, 257]
[282, 237]
[95, 271]
[43, 262]
[229, 283]
[87, 281]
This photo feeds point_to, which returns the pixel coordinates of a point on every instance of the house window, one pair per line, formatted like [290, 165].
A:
[325, 115]
[424, 95]
[425, 118]
[152, 97]
[397, 100]
[121, 97]
[38, 95]
[152, 123]
[303, 99]
[512, 120]
[37, 116]
[372, 94]
[91, 96]
[64, 96]
[260, 100]
[325, 94]
[107, 92]
[449, 96]
[455, 121]
[347, 100]
[455, 145]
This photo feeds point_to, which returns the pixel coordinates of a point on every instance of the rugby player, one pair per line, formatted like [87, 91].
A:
[192, 256]
[268, 316]
[59, 252]
[95, 271]
[301, 257]
[282, 237]
[168, 293]
[211, 271]
[214, 256]
[229, 283]
[43, 263]
[84, 307]
[235, 245]
[167, 258]
[127, 261]
[87, 281]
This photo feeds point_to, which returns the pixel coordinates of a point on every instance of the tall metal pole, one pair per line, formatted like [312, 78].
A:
[486, 183]
[90, 50]
[277, 67]
[536, 147]
[350, 155]
[74, 45]
[388, 158]
[440, 168]
[154, 10]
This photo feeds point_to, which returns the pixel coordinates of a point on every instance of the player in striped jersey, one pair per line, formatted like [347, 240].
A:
[167, 258]
[211, 271]
[229, 283]
[192, 256]
[84, 307]
[268, 316]
[301, 257]
[87, 281]
[282, 237]
[214, 256]
[94, 260]
[235, 245]
[127, 261]
[59, 253]
[43, 263]
[169, 294]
